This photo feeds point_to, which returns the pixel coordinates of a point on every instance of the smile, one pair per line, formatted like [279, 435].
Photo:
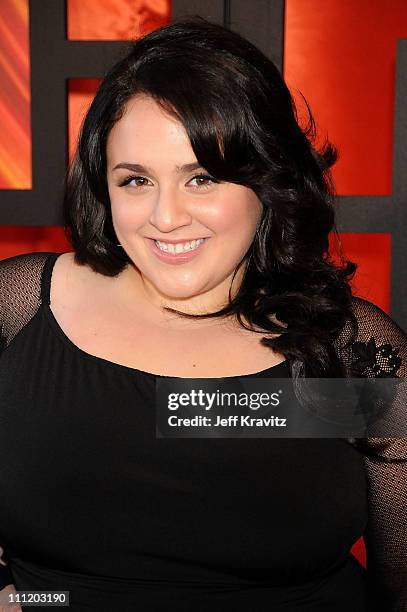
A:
[180, 247]
[179, 253]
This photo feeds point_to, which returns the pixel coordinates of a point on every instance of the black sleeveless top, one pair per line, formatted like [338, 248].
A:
[93, 503]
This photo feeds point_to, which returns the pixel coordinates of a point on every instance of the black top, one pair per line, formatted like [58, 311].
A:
[93, 503]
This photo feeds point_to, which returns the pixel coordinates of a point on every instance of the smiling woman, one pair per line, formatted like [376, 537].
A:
[156, 221]
[199, 212]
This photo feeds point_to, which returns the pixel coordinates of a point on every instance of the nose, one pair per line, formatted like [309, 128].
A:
[170, 211]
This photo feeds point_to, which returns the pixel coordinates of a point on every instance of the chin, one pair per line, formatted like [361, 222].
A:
[178, 294]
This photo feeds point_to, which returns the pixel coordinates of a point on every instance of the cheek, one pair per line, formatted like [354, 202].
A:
[123, 215]
[239, 218]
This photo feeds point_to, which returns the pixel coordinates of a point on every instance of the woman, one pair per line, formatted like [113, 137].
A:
[199, 213]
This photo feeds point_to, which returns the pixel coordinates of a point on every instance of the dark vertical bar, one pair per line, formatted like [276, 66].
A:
[227, 20]
[49, 119]
[261, 22]
[398, 289]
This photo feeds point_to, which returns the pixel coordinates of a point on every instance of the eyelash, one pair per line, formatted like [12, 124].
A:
[132, 177]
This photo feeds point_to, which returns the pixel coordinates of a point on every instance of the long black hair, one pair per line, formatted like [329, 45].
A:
[243, 127]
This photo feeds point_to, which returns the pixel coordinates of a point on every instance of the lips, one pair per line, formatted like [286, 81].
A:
[178, 258]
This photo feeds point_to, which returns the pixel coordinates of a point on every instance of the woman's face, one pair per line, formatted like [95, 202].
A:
[160, 197]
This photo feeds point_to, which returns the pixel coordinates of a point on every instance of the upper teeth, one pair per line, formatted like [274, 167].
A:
[181, 247]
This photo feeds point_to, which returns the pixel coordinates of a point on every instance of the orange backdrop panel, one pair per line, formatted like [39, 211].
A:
[115, 19]
[372, 252]
[341, 55]
[80, 95]
[15, 132]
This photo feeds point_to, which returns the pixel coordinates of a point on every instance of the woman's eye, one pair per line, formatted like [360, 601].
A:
[203, 181]
[138, 181]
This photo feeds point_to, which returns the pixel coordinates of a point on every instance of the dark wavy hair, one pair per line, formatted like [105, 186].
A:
[243, 127]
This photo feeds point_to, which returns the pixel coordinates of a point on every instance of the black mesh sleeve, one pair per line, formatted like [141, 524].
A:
[381, 351]
[20, 292]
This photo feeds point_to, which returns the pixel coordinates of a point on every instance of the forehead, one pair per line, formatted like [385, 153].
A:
[146, 127]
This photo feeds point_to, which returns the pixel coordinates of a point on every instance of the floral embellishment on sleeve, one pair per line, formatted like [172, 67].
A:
[371, 360]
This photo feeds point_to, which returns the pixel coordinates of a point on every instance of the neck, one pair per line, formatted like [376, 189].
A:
[152, 302]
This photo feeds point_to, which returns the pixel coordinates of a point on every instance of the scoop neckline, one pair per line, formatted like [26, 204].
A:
[46, 290]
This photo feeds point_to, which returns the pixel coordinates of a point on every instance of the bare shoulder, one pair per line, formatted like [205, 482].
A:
[66, 266]
[72, 282]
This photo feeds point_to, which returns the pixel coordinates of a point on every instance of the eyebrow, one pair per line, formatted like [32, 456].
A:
[140, 168]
